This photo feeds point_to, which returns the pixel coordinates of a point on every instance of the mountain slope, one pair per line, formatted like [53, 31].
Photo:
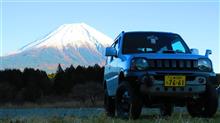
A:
[77, 44]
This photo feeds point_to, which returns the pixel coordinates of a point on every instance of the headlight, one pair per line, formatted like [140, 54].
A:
[205, 65]
[139, 64]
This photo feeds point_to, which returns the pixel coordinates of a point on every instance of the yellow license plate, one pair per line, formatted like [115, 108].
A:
[175, 81]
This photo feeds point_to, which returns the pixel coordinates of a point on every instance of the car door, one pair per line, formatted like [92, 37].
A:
[111, 70]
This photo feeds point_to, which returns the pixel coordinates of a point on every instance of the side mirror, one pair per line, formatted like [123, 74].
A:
[208, 52]
[110, 51]
[195, 51]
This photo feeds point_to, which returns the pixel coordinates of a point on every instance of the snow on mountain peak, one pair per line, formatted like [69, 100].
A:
[75, 35]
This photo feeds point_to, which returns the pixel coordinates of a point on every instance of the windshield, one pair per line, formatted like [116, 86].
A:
[151, 42]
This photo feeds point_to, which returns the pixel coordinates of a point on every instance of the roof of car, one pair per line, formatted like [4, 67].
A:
[150, 32]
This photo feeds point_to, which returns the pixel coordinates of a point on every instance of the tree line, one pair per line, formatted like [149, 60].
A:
[33, 84]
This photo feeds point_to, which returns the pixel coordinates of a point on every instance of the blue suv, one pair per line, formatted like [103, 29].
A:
[157, 70]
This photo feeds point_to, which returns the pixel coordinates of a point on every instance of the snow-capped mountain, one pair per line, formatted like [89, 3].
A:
[77, 44]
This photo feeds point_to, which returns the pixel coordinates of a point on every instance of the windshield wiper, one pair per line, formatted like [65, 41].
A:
[150, 51]
[168, 51]
[172, 51]
[179, 51]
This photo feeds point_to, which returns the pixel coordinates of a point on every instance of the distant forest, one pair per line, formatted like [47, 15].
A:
[31, 85]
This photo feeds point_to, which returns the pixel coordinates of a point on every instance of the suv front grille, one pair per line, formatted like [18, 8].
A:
[173, 64]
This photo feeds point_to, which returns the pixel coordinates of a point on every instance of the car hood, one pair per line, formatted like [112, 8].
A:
[166, 56]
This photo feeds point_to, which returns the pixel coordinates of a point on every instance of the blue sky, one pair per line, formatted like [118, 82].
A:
[196, 21]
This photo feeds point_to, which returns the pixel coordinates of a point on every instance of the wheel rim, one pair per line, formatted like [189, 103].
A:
[124, 102]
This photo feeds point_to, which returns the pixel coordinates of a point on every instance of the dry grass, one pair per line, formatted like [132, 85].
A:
[176, 118]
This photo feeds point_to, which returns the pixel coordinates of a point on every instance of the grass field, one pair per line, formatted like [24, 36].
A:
[175, 118]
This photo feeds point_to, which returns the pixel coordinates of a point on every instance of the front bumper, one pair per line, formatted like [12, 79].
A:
[152, 82]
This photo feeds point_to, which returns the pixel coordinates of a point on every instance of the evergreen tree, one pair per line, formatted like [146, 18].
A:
[60, 82]
[59, 69]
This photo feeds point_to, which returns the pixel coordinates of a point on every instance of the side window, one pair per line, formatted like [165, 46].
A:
[116, 45]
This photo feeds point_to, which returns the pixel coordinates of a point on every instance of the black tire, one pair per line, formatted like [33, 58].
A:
[206, 106]
[109, 104]
[166, 110]
[128, 102]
